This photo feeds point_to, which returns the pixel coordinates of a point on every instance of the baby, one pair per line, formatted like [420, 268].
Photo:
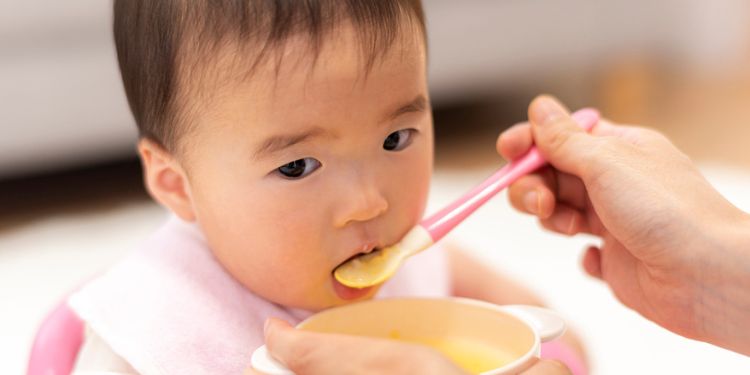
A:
[286, 137]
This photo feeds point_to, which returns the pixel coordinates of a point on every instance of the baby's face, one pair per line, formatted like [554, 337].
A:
[291, 174]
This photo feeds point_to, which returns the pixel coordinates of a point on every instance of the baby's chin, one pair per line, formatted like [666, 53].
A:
[346, 295]
[330, 294]
[340, 296]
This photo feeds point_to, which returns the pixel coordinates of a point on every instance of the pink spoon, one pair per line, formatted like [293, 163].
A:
[377, 266]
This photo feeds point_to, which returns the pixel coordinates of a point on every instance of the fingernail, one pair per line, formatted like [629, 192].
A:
[265, 326]
[565, 223]
[546, 110]
[572, 225]
[531, 202]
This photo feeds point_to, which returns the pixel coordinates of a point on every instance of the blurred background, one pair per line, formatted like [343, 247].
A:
[72, 201]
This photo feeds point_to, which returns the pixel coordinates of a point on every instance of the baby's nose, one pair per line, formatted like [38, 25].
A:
[361, 202]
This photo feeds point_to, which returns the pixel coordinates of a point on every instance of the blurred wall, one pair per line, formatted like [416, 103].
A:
[62, 100]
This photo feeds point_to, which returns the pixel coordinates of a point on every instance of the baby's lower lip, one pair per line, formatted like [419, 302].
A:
[347, 293]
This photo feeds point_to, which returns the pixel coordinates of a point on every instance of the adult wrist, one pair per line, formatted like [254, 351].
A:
[722, 299]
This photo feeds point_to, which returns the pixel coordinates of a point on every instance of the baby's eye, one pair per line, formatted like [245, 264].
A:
[397, 141]
[299, 168]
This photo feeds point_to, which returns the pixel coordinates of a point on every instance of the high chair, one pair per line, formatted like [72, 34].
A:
[60, 337]
[57, 343]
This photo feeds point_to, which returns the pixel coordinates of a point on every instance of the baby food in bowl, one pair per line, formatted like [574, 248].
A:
[480, 337]
[472, 355]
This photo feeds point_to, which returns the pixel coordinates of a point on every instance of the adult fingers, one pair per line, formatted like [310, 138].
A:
[514, 142]
[592, 262]
[538, 193]
[534, 193]
[566, 220]
[289, 346]
[548, 367]
[562, 142]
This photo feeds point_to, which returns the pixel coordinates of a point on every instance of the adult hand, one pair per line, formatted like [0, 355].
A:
[324, 353]
[315, 353]
[672, 248]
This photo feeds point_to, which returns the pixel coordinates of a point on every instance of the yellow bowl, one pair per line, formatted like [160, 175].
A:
[480, 337]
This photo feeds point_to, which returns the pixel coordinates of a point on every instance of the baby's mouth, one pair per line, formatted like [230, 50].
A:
[348, 293]
[361, 253]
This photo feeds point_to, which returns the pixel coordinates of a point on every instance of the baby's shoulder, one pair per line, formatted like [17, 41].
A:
[97, 357]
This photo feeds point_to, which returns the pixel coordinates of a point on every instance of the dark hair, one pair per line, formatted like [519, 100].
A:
[162, 44]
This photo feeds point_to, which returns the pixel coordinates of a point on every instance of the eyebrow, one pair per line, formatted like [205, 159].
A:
[279, 142]
[282, 141]
[417, 104]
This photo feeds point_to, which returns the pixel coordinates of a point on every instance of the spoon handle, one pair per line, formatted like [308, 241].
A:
[443, 221]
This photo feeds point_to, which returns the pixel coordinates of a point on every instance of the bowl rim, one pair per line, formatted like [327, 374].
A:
[515, 365]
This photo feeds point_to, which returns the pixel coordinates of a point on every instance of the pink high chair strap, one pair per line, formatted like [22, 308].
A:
[559, 351]
[57, 343]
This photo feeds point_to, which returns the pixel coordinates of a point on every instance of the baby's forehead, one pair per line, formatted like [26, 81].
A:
[334, 91]
[300, 55]
[299, 66]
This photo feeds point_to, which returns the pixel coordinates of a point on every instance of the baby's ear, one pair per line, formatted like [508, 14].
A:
[165, 179]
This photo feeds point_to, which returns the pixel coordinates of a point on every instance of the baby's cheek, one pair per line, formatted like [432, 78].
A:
[289, 283]
[295, 265]
[414, 198]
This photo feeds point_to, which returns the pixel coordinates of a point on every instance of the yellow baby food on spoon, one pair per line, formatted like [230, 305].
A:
[374, 268]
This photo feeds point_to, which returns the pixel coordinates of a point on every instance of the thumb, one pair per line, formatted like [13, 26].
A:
[561, 141]
[548, 367]
[280, 339]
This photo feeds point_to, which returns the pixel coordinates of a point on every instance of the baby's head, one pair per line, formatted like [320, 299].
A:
[296, 134]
